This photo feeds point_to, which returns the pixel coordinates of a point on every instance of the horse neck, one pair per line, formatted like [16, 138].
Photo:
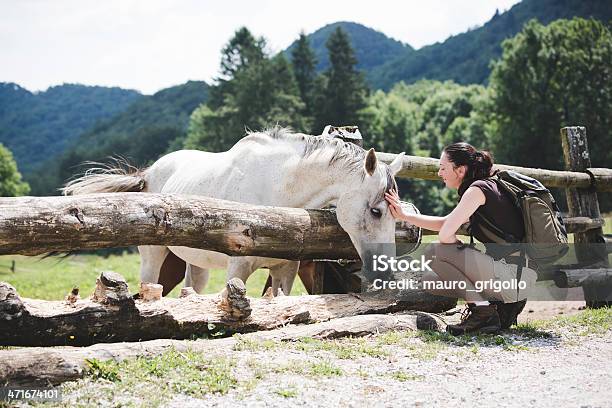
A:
[316, 184]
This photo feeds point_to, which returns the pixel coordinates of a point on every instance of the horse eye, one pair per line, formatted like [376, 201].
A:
[375, 212]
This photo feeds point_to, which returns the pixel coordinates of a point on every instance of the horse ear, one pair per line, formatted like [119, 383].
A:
[370, 161]
[397, 163]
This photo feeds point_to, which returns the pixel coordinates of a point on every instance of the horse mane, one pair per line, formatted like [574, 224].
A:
[347, 154]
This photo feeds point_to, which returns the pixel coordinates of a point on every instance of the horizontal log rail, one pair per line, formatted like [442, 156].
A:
[426, 168]
[572, 224]
[37, 225]
[571, 278]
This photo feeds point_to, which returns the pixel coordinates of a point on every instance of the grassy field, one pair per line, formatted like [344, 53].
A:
[53, 278]
[608, 226]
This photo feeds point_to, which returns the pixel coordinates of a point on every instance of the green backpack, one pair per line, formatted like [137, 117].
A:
[545, 233]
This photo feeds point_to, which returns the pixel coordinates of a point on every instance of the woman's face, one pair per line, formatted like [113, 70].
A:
[451, 175]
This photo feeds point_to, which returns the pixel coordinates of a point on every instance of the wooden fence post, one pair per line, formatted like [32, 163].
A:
[582, 202]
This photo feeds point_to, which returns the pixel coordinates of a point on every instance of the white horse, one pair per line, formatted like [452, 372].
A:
[276, 168]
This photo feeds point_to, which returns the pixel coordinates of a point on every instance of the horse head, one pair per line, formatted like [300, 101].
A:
[362, 210]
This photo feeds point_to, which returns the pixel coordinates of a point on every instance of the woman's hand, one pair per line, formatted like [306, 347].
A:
[394, 205]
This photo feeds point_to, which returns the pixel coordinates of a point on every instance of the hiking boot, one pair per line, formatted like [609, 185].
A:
[483, 319]
[508, 312]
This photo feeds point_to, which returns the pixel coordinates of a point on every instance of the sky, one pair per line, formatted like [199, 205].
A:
[153, 44]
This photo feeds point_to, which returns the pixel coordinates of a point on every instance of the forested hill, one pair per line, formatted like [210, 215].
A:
[35, 126]
[140, 133]
[168, 108]
[465, 58]
[372, 48]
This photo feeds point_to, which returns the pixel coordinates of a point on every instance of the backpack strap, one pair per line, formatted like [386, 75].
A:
[519, 271]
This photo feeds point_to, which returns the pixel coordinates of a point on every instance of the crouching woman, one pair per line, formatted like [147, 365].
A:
[487, 281]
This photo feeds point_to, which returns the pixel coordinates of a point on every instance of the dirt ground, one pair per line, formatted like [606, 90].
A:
[543, 310]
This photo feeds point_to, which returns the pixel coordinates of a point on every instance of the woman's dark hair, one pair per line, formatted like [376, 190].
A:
[479, 163]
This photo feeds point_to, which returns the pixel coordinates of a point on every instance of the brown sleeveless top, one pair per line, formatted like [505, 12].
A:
[498, 208]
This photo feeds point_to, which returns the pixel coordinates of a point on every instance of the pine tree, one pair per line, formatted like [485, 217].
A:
[304, 62]
[261, 92]
[341, 97]
[242, 51]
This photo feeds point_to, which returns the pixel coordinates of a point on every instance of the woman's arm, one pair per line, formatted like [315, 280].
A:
[430, 222]
[448, 226]
[469, 203]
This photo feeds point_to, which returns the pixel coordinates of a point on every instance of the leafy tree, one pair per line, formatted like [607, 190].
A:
[10, 178]
[550, 77]
[421, 119]
[390, 123]
[343, 94]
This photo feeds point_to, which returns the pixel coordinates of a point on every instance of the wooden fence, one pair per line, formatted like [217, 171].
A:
[32, 225]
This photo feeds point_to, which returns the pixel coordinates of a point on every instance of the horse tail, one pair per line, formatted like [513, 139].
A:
[118, 176]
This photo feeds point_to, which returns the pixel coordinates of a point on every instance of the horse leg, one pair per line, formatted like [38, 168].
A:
[242, 267]
[171, 273]
[151, 260]
[283, 275]
[196, 277]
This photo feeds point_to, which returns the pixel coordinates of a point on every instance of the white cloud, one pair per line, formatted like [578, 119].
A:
[149, 45]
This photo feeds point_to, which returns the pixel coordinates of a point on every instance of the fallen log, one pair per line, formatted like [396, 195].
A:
[36, 225]
[51, 366]
[112, 315]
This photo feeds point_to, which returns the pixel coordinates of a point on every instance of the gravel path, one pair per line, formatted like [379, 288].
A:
[563, 362]
[564, 370]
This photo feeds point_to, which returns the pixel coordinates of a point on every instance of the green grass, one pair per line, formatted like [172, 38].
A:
[607, 228]
[108, 370]
[530, 330]
[324, 369]
[189, 373]
[347, 349]
[403, 376]
[53, 278]
[153, 381]
[474, 341]
[247, 344]
[290, 392]
[587, 322]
